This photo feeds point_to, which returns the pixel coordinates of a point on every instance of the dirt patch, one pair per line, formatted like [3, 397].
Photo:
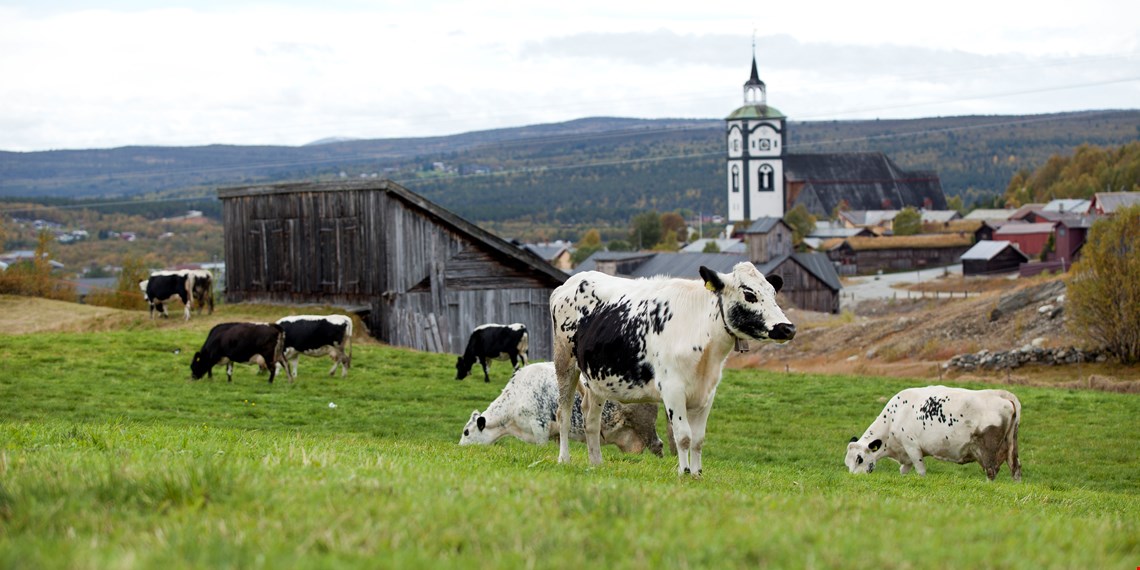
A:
[914, 338]
[23, 315]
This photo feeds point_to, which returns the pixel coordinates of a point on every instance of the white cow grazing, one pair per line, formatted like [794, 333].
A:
[527, 406]
[951, 424]
[657, 340]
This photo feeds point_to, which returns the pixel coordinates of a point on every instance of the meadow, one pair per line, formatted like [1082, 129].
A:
[110, 457]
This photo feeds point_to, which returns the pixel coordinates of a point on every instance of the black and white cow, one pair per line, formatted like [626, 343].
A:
[202, 289]
[165, 286]
[319, 335]
[492, 341]
[527, 406]
[657, 340]
[951, 424]
[258, 343]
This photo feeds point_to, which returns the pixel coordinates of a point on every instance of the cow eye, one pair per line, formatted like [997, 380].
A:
[858, 460]
[750, 296]
[468, 432]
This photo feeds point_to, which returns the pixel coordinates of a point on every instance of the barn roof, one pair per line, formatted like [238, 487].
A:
[990, 214]
[1026, 229]
[864, 181]
[987, 249]
[920, 241]
[764, 225]
[440, 214]
[1109, 202]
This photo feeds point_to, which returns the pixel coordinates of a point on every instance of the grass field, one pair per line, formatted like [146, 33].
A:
[111, 458]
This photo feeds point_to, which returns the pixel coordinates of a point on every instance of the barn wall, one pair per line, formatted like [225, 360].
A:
[805, 290]
[873, 260]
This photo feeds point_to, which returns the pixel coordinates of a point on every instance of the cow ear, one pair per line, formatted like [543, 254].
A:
[481, 423]
[777, 282]
[854, 439]
[474, 414]
[712, 280]
[875, 445]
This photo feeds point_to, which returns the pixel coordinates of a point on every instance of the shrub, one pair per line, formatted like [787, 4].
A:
[1104, 290]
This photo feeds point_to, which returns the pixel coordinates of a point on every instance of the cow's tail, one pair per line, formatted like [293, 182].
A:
[1011, 435]
[524, 346]
[279, 352]
[348, 343]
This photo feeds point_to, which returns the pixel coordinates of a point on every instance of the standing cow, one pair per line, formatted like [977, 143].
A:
[165, 286]
[492, 341]
[527, 406]
[951, 424]
[318, 335]
[657, 340]
[202, 289]
[258, 343]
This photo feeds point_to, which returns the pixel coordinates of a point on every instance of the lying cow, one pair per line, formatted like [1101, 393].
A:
[657, 340]
[526, 409]
[492, 341]
[951, 424]
[319, 335]
[258, 343]
[165, 286]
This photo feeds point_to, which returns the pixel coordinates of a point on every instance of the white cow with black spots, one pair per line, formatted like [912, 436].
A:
[951, 424]
[657, 340]
[528, 404]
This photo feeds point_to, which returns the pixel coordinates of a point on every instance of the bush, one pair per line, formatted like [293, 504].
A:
[1104, 290]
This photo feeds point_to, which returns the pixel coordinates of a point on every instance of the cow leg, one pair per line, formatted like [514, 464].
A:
[186, 302]
[698, 419]
[905, 467]
[229, 372]
[592, 423]
[915, 457]
[515, 361]
[567, 372]
[676, 411]
[483, 362]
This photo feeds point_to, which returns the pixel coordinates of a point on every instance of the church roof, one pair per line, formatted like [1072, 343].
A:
[864, 180]
[756, 112]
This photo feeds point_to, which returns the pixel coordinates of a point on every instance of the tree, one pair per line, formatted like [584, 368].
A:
[801, 221]
[955, 203]
[908, 222]
[671, 221]
[668, 242]
[618, 245]
[645, 229]
[591, 242]
[711, 247]
[1104, 289]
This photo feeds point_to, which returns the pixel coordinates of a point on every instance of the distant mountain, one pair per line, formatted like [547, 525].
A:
[594, 170]
[330, 140]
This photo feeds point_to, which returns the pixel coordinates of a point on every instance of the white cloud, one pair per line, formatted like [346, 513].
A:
[291, 72]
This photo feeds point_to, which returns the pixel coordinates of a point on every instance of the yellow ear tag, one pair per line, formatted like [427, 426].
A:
[710, 287]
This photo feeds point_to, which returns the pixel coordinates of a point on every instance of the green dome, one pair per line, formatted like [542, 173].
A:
[756, 112]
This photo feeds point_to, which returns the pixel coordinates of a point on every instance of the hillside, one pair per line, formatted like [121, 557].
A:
[596, 171]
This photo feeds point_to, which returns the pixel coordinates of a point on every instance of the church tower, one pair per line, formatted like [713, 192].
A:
[756, 137]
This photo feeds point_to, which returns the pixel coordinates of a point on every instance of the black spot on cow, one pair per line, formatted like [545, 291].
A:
[747, 321]
[610, 342]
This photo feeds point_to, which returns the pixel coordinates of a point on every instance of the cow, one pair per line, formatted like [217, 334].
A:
[165, 286]
[657, 340]
[527, 406]
[493, 341]
[319, 335]
[951, 424]
[259, 343]
[202, 290]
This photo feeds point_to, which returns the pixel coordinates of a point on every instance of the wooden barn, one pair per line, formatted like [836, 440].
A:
[419, 275]
[865, 256]
[989, 257]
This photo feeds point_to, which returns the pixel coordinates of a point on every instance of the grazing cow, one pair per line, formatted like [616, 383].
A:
[657, 340]
[951, 424]
[527, 406]
[492, 341]
[165, 286]
[319, 335]
[259, 343]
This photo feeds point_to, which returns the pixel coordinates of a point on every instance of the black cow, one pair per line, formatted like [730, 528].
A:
[258, 343]
[493, 341]
[318, 335]
[165, 286]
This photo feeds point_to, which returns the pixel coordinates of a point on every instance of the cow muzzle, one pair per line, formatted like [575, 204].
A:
[783, 332]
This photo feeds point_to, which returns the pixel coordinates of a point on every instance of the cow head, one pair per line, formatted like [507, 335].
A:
[198, 366]
[475, 430]
[862, 456]
[462, 368]
[748, 303]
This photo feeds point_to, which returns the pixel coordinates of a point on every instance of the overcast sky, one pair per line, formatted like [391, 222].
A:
[150, 72]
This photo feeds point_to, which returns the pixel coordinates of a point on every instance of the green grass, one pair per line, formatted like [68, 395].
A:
[111, 458]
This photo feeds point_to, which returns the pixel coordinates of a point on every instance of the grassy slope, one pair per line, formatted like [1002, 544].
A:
[110, 457]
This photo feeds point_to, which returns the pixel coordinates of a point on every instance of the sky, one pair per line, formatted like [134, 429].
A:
[102, 74]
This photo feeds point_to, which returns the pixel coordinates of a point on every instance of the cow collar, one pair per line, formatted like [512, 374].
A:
[741, 344]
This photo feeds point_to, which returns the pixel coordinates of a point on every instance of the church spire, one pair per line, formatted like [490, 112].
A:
[755, 92]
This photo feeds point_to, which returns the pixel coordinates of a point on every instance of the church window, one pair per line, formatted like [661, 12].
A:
[767, 184]
[735, 178]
